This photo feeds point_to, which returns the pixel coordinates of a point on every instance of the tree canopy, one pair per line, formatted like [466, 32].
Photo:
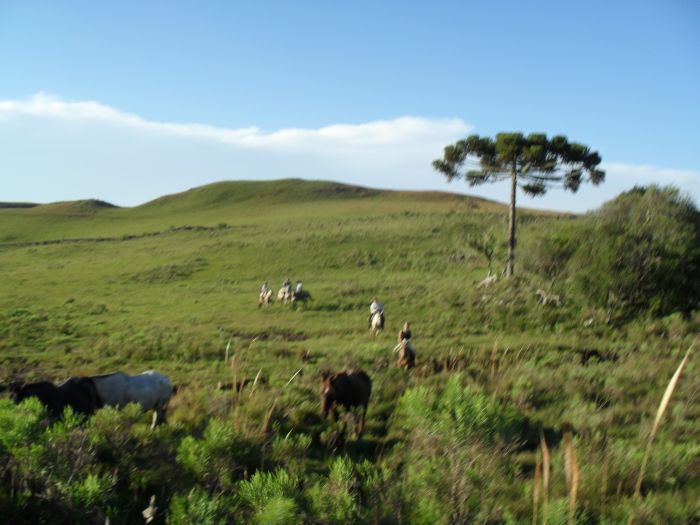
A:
[535, 163]
[538, 162]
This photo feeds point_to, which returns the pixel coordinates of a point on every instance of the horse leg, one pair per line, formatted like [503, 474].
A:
[158, 414]
[362, 422]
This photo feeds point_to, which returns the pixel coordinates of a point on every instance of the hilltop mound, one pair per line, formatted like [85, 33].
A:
[16, 205]
[284, 191]
[80, 207]
[277, 191]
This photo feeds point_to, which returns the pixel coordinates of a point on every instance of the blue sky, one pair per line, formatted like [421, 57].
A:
[127, 101]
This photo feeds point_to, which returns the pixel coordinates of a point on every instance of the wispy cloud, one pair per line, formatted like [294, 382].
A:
[400, 131]
[60, 150]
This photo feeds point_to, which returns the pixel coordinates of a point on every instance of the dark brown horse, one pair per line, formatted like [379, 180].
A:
[79, 393]
[349, 389]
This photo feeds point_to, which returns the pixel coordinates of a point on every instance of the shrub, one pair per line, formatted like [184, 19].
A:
[197, 507]
[219, 458]
[271, 496]
[454, 465]
[336, 500]
[548, 252]
[647, 253]
[463, 411]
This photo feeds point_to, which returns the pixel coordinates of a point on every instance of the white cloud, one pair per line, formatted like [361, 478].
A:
[337, 137]
[51, 149]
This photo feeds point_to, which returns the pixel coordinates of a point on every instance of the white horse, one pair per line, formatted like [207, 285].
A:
[285, 294]
[376, 324]
[150, 389]
[265, 297]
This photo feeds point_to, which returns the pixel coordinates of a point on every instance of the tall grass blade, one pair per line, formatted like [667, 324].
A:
[536, 485]
[228, 346]
[545, 477]
[572, 475]
[266, 422]
[604, 479]
[659, 414]
[292, 378]
[255, 382]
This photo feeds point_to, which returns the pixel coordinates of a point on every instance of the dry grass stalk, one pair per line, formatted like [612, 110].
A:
[545, 477]
[604, 480]
[255, 382]
[292, 378]
[659, 414]
[494, 352]
[236, 398]
[228, 346]
[266, 423]
[536, 483]
[234, 374]
[572, 474]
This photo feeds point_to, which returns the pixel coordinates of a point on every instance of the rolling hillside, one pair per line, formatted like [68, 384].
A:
[90, 288]
[232, 202]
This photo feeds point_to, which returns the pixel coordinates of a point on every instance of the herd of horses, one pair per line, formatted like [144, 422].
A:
[84, 395]
[152, 391]
[350, 389]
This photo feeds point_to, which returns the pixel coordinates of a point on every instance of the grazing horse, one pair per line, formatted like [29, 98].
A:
[265, 298]
[376, 323]
[349, 389]
[79, 393]
[407, 354]
[285, 294]
[150, 389]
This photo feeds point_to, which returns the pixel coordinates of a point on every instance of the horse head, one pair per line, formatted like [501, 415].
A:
[18, 390]
[328, 396]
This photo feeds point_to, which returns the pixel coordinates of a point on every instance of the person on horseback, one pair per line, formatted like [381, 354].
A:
[264, 288]
[375, 307]
[287, 283]
[299, 287]
[405, 332]
[409, 358]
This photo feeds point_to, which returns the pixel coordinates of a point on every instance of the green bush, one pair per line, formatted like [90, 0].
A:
[271, 496]
[197, 507]
[642, 254]
[463, 411]
[219, 458]
[547, 252]
[334, 500]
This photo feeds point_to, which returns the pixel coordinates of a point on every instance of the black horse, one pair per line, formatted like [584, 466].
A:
[79, 393]
[350, 389]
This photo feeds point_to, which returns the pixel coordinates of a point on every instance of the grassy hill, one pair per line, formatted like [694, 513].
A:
[231, 202]
[89, 288]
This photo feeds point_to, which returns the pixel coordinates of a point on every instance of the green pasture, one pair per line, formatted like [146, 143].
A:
[87, 288]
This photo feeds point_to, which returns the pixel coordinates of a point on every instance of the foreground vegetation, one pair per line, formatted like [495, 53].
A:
[502, 379]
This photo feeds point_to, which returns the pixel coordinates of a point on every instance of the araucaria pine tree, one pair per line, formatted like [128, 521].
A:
[535, 163]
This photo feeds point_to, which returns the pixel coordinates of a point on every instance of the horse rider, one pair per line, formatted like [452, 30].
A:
[264, 288]
[298, 288]
[405, 333]
[375, 307]
[287, 284]
[405, 339]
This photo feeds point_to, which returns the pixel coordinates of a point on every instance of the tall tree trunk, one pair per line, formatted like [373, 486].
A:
[511, 225]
